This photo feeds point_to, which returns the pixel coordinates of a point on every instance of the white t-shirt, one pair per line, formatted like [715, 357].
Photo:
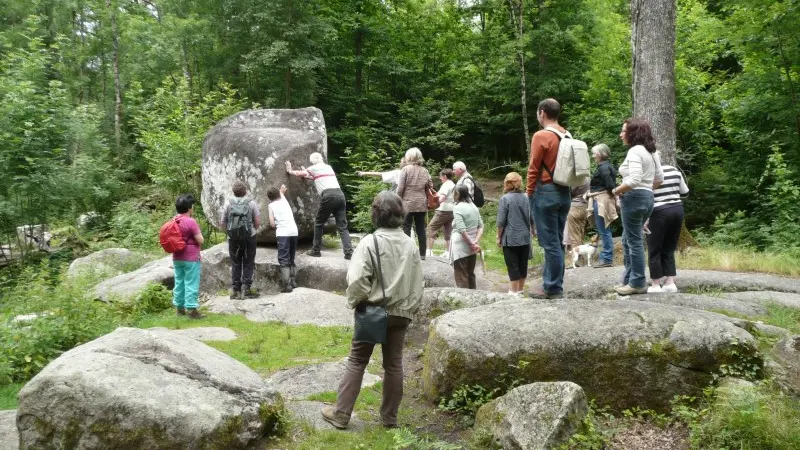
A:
[448, 189]
[323, 176]
[284, 219]
[390, 177]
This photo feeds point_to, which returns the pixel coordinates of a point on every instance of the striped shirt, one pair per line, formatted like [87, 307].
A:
[323, 176]
[670, 191]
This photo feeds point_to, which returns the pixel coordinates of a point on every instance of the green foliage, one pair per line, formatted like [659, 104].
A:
[405, 439]
[135, 225]
[466, 400]
[171, 126]
[741, 417]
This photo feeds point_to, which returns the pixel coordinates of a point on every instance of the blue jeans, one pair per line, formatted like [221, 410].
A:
[187, 284]
[607, 252]
[636, 208]
[550, 205]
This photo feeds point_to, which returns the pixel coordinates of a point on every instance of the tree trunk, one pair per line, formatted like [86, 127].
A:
[117, 85]
[359, 78]
[518, 21]
[653, 45]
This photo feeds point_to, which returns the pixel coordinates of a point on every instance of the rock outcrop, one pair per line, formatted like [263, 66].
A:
[298, 383]
[326, 273]
[623, 353]
[129, 285]
[537, 416]
[253, 146]
[112, 261]
[9, 436]
[301, 306]
[787, 354]
[439, 300]
[136, 388]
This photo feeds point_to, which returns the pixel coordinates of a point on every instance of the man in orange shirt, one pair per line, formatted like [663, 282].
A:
[550, 202]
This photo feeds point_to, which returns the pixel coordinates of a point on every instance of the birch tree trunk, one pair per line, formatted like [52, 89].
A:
[117, 85]
[653, 45]
[518, 21]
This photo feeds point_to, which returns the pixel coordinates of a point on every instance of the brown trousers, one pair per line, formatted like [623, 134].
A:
[464, 272]
[360, 352]
[576, 226]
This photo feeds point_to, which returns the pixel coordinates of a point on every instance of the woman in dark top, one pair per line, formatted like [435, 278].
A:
[514, 229]
[604, 180]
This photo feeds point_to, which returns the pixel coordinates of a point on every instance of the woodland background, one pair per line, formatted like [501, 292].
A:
[104, 103]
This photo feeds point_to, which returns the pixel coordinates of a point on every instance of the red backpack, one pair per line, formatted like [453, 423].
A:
[170, 236]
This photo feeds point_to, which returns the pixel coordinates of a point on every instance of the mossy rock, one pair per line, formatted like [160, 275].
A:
[623, 353]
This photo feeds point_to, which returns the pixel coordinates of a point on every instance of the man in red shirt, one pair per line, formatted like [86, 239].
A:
[550, 202]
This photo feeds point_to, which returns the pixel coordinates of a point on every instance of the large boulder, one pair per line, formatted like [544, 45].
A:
[537, 416]
[439, 300]
[301, 306]
[155, 389]
[253, 146]
[111, 261]
[623, 353]
[9, 436]
[326, 273]
[299, 383]
[129, 285]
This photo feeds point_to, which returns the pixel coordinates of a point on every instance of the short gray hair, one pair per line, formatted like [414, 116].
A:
[602, 150]
[459, 165]
[387, 210]
[316, 158]
[414, 156]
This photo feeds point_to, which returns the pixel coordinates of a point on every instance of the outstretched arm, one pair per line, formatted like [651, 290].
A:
[302, 173]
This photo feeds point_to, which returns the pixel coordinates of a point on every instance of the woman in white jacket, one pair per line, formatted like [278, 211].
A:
[641, 172]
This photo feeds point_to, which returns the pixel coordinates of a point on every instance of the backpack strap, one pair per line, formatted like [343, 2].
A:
[560, 137]
[471, 197]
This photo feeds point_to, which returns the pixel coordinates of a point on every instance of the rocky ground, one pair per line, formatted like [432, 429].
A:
[650, 321]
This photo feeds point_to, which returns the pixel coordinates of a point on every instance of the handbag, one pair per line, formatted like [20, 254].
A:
[371, 320]
[432, 198]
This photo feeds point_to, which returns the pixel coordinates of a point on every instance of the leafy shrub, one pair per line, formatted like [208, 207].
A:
[135, 226]
[153, 299]
[404, 439]
[466, 400]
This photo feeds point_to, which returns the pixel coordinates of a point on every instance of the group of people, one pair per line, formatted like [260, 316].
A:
[386, 266]
[649, 200]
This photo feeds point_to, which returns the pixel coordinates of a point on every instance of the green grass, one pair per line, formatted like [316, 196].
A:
[739, 260]
[745, 418]
[8, 395]
[266, 347]
[375, 437]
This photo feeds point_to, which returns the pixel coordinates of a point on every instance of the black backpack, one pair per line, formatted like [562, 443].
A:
[477, 193]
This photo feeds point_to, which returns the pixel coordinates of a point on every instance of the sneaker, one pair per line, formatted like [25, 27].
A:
[194, 314]
[429, 252]
[670, 288]
[180, 311]
[445, 255]
[422, 257]
[315, 253]
[236, 295]
[541, 294]
[628, 290]
[335, 418]
[602, 265]
[655, 290]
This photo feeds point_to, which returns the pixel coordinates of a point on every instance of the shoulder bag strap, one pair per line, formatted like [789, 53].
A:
[380, 271]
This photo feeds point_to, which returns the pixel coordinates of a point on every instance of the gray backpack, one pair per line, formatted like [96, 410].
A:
[240, 219]
[572, 163]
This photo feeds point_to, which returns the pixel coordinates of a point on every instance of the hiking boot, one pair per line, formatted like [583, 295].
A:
[314, 253]
[542, 295]
[348, 256]
[236, 295]
[292, 275]
[180, 311]
[335, 418]
[628, 290]
[286, 279]
[602, 265]
[194, 314]
[250, 293]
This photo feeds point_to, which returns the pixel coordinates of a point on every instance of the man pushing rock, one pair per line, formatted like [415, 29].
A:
[332, 201]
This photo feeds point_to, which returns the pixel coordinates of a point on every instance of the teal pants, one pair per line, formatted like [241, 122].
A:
[187, 284]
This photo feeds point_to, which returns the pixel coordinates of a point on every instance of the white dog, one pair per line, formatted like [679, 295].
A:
[587, 250]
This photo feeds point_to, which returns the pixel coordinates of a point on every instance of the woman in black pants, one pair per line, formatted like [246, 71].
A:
[665, 226]
[411, 184]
